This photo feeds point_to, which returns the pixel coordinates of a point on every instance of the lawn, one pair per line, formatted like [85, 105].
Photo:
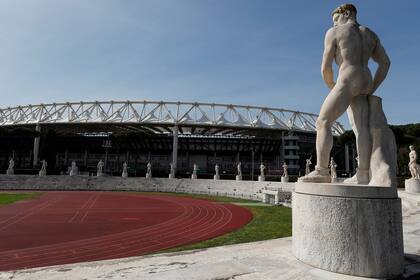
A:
[268, 222]
[7, 198]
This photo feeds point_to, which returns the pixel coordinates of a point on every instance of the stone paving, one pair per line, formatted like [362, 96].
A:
[266, 260]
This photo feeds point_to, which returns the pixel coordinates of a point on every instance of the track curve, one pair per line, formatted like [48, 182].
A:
[70, 227]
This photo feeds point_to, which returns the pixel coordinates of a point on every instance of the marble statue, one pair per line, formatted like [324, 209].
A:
[74, 169]
[239, 169]
[412, 165]
[351, 45]
[333, 169]
[172, 171]
[285, 171]
[217, 172]
[149, 170]
[43, 171]
[308, 166]
[124, 171]
[262, 174]
[194, 174]
[10, 169]
[100, 168]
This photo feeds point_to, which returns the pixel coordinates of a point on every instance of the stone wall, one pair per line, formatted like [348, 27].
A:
[241, 189]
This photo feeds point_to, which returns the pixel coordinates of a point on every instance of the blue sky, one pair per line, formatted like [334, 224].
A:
[264, 53]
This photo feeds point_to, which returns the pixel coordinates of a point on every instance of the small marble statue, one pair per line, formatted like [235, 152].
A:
[124, 171]
[43, 171]
[149, 170]
[172, 171]
[412, 165]
[285, 171]
[308, 166]
[74, 169]
[351, 46]
[194, 174]
[216, 170]
[333, 168]
[285, 176]
[10, 169]
[261, 178]
[100, 168]
[239, 169]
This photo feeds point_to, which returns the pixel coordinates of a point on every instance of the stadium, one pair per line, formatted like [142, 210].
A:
[138, 132]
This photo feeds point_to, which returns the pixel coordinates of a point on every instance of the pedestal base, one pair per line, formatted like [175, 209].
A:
[412, 185]
[148, 176]
[261, 178]
[124, 175]
[194, 176]
[99, 174]
[285, 179]
[42, 173]
[216, 177]
[349, 229]
[238, 177]
[171, 176]
[10, 172]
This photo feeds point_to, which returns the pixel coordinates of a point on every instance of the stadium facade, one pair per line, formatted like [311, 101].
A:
[141, 131]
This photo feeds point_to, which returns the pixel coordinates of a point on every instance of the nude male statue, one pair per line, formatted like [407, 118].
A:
[351, 46]
[412, 165]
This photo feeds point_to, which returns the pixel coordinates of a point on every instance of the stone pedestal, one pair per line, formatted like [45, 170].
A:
[238, 177]
[261, 178]
[148, 176]
[124, 175]
[285, 179]
[194, 176]
[10, 172]
[42, 173]
[99, 174]
[171, 176]
[412, 185]
[349, 229]
[216, 177]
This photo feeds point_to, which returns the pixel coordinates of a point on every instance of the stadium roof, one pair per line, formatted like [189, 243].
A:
[160, 117]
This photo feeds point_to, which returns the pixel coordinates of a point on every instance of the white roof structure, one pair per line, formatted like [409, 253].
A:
[160, 116]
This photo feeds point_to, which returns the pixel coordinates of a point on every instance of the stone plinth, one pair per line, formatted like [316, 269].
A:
[171, 176]
[285, 179]
[238, 177]
[194, 176]
[216, 177]
[148, 176]
[10, 172]
[124, 175]
[412, 185]
[261, 178]
[349, 229]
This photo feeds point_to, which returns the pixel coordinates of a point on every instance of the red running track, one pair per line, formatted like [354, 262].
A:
[70, 227]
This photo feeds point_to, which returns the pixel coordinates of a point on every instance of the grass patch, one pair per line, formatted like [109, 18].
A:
[268, 222]
[7, 198]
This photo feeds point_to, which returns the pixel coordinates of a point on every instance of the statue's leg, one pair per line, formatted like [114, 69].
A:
[358, 114]
[333, 107]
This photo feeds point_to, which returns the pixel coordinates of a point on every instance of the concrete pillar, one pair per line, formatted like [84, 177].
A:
[347, 157]
[85, 158]
[175, 148]
[36, 146]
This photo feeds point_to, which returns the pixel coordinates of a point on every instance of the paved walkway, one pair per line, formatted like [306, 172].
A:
[266, 260]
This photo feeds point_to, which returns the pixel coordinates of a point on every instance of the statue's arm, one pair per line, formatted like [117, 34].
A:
[379, 56]
[327, 59]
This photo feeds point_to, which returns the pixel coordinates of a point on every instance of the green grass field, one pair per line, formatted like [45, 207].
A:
[7, 198]
[268, 222]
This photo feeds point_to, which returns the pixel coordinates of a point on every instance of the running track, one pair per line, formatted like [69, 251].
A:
[70, 227]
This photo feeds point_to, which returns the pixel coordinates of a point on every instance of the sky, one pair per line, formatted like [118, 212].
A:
[247, 52]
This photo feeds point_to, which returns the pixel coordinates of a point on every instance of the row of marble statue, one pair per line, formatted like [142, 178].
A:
[414, 168]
